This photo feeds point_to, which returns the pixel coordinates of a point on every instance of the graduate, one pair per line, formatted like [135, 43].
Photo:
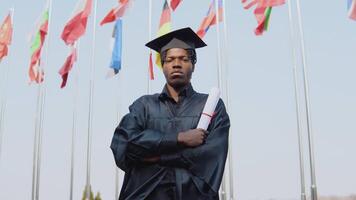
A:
[157, 144]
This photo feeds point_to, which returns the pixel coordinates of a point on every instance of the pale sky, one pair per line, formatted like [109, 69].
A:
[263, 135]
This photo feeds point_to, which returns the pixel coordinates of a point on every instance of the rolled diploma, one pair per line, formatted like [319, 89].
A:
[209, 108]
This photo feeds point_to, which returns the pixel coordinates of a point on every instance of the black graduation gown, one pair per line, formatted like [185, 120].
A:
[150, 129]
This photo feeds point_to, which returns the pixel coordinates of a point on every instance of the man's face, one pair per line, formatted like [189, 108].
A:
[177, 68]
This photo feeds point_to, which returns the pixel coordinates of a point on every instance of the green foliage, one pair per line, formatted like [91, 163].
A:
[97, 197]
[85, 194]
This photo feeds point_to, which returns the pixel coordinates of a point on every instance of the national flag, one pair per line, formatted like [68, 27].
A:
[76, 26]
[263, 15]
[150, 67]
[116, 13]
[36, 73]
[262, 12]
[174, 4]
[67, 66]
[115, 64]
[72, 31]
[5, 36]
[351, 6]
[164, 27]
[210, 18]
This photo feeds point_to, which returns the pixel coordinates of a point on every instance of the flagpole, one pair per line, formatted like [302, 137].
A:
[118, 117]
[35, 149]
[116, 183]
[296, 90]
[314, 193]
[74, 124]
[220, 85]
[91, 95]
[227, 100]
[149, 38]
[4, 99]
[42, 90]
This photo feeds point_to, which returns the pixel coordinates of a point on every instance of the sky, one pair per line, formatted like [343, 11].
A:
[258, 72]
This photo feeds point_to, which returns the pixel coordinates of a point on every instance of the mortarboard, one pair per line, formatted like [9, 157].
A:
[184, 38]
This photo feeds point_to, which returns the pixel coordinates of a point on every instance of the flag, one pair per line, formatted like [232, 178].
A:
[115, 13]
[164, 27]
[115, 64]
[351, 6]
[263, 16]
[35, 72]
[67, 66]
[5, 36]
[210, 18]
[72, 31]
[150, 67]
[262, 12]
[76, 26]
[174, 4]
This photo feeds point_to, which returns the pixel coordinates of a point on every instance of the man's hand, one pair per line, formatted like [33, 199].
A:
[192, 138]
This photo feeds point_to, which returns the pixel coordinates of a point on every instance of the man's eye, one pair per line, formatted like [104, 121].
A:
[185, 59]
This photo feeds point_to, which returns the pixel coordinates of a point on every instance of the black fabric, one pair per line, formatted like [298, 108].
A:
[150, 129]
[184, 38]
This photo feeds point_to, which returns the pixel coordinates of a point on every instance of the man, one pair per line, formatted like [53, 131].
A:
[157, 144]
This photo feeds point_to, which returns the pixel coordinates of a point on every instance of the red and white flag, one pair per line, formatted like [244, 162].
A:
[116, 12]
[76, 26]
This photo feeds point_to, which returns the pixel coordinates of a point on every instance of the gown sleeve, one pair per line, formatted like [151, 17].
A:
[132, 142]
[207, 161]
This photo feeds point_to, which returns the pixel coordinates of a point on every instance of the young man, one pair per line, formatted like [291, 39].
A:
[157, 144]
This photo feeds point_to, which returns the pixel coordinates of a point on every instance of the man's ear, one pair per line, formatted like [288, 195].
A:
[193, 67]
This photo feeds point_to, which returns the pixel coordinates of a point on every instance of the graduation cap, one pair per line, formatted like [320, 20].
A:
[184, 38]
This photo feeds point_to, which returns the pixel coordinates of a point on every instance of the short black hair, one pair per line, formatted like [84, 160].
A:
[192, 54]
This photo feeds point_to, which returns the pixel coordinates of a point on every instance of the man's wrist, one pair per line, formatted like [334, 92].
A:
[180, 138]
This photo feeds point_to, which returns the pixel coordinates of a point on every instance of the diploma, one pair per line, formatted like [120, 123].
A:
[209, 108]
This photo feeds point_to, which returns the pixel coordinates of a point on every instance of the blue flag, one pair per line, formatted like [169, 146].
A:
[117, 47]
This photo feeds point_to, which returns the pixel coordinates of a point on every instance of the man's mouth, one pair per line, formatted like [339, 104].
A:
[177, 73]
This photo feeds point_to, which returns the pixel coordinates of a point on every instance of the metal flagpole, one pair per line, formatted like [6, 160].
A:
[4, 95]
[42, 88]
[296, 90]
[227, 100]
[91, 95]
[35, 148]
[118, 117]
[220, 85]
[74, 125]
[39, 138]
[314, 193]
[149, 38]
[116, 182]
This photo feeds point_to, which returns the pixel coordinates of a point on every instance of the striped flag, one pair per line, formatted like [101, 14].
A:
[116, 13]
[36, 73]
[5, 36]
[262, 12]
[150, 67]
[262, 15]
[351, 7]
[164, 27]
[115, 63]
[210, 18]
[174, 4]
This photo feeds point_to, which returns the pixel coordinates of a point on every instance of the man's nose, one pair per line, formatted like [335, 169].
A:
[177, 63]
